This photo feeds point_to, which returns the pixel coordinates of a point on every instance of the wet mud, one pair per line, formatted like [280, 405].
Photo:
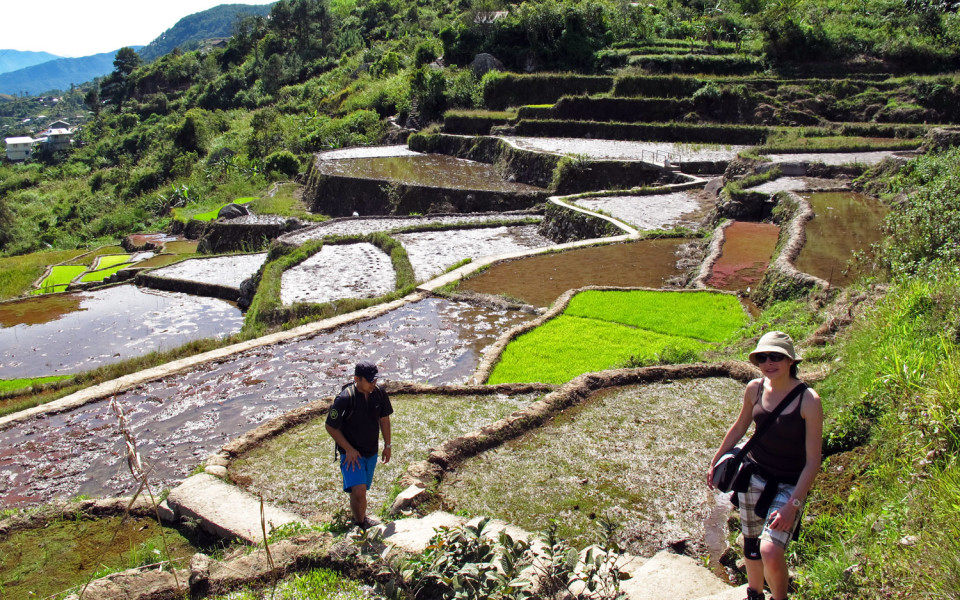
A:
[180, 420]
[659, 211]
[539, 280]
[339, 271]
[833, 158]
[636, 454]
[432, 252]
[843, 223]
[430, 170]
[627, 150]
[747, 250]
[363, 226]
[80, 331]
[229, 271]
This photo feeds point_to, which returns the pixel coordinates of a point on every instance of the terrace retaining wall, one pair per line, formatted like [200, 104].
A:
[218, 237]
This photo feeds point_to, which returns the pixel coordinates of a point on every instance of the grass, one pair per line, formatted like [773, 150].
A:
[791, 142]
[296, 469]
[12, 385]
[604, 329]
[318, 583]
[186, 214]
[44, 561]
[285, 203]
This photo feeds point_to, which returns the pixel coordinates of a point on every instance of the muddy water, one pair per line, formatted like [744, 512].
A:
[76, 332]
[539, 280]
[180, 420]
[181, 247]
[747, 249]
[432, 170]
[844, 223]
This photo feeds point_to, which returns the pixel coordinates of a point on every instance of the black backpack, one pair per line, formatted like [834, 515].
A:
[348, 412]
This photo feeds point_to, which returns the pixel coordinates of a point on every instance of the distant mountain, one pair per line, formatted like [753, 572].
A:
[190, 32]
[57, 74]
[13, 60]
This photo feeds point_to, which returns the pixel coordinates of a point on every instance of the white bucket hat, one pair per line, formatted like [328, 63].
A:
[776, 341]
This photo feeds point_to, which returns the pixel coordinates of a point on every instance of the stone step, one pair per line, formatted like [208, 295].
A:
[225, 510]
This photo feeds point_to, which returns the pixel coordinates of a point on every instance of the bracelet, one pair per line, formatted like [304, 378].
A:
[385, 446]
[795, 502]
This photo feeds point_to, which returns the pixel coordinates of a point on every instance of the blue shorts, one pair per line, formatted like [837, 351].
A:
[358, 475]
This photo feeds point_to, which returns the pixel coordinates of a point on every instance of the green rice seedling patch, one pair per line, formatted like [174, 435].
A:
[17, 273]
[297, 470]
[43, 561]
[110, 260]
[88, 259]
[566, 346]
[635, 454]
[318, 584]
[12, 385]
[60, 276]
[100, 275]
[705, 316]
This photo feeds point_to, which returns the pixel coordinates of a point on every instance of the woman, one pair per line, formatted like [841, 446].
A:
[786, 459]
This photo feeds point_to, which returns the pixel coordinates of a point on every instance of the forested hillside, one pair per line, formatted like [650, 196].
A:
[200, 128]
[191, 32]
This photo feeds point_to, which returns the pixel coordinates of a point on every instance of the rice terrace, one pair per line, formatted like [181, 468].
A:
[558, 229]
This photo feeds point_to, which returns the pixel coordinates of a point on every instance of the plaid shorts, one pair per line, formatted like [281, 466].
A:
[754, 526]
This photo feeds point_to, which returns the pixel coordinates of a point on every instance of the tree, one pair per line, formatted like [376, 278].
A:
[116, 85]
[126, 61]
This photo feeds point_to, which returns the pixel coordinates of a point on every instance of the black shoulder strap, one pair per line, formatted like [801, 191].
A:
[763, 427]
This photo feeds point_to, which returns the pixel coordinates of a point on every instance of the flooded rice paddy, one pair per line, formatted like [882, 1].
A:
[180, 420]
[295, 470]
[658, 211]
[834, 158]
[79, 331]
[627, 150]
[229, 271]
[843, 223]
[432, 252]
[636, 454]
[339, 271]
[363, 226]
[540, 279]
[429, 170]
[747, 250]
[367, 152]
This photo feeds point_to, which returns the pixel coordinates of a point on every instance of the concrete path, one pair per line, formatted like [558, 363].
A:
[225, 510]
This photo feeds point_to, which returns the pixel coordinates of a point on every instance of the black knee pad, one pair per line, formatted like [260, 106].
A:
[751, 548]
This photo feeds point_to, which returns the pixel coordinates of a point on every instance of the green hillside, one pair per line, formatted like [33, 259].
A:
[191, 32]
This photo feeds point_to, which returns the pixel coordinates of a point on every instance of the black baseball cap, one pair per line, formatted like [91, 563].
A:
[366, 369]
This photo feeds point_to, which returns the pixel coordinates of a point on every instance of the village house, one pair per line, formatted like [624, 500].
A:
[19, 148]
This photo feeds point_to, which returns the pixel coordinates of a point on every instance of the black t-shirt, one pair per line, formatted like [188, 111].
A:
[362, 425]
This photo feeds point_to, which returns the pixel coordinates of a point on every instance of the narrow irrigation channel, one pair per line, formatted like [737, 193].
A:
[179, 420]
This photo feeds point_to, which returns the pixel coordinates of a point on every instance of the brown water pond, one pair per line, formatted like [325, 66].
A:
[747, 249]
[844, 223]
[180, 420]
[431, 170]
[75, 332]
[540, 279]
[181, 247]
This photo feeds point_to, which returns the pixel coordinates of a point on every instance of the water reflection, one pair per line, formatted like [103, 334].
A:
[76, 332]
[747, 248]
[178, 421]
[539, 280]
[844, 223]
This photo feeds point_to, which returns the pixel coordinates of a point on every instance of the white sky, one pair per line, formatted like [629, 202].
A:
[84, 27]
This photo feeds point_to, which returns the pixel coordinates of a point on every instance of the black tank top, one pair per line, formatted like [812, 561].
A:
[781, 451]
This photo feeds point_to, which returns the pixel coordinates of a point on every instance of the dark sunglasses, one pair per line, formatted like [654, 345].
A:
[762, 357]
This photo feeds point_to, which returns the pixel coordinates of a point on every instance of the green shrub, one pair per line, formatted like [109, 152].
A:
[283, 162]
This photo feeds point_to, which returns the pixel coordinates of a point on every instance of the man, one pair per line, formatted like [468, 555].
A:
[359, 413]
